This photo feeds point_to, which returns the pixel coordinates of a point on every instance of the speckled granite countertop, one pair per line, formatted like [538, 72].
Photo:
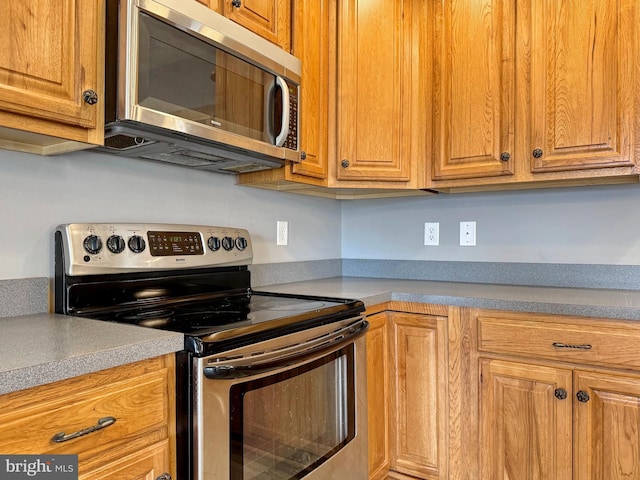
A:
[44, 348]
[623, 304]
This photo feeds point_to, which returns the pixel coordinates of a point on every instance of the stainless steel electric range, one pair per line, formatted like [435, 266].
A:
[269, 386]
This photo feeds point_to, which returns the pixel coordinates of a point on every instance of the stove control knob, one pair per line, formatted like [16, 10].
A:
[228, 243]
[92, 244]
[241, 243]
[115, 244]
[214, 244]
[136, 244]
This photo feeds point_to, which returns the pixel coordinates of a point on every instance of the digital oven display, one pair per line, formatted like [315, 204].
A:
[166, 244]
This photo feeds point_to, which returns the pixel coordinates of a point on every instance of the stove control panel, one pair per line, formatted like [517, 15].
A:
[98, 248]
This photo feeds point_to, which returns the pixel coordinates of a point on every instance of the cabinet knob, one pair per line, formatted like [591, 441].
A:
[537, 153]
[345, 163]
[505, 156]
[303, 155]
[560, 393]
[236, 3]
[164, 476]
[583, 396]
[90, 97]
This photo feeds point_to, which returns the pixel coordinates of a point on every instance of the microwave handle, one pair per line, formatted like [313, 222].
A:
[286, 110]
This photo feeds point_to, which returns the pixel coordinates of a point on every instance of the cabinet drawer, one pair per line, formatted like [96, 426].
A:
[138, 403]
[572, 339]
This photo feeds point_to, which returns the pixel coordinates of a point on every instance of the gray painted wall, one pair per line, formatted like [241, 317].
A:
[585, 225]
[37, 193]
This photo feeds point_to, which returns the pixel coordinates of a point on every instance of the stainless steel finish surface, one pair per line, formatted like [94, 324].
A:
[212, 410]
[172, 139]
[76, 263]
[287, 349]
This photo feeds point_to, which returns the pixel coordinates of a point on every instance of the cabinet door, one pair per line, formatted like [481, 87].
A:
[374, 84]
[583, 77]
[270, 19]
[419, 379]
[50, 57]
[311, 45]
[378, 368]
[146, 464]
[607, 434]
[473, 88]
[525, 429]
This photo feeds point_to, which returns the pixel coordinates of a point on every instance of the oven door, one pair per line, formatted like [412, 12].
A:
[287, 408]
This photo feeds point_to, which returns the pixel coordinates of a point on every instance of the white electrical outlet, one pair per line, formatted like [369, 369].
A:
[282, 236]
[432, 233]
[468, 234]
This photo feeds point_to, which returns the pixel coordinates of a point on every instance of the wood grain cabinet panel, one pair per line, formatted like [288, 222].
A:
[418, 421]
[374, 103]
[53, 53]
[558, 412]
[271, 19]
[146, 464]
[378, 379]
[407, 394]
[140, 397]
[584, 78]
[526, 430]
[607, 432]
[473, 90]
[527, 92]
[311, 46]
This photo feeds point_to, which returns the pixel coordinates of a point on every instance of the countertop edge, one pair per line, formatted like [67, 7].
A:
[132, 344]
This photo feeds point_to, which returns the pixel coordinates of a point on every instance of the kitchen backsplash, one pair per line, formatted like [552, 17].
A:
[31, 295]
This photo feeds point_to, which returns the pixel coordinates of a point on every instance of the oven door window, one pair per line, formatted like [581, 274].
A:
[286, 425]
[186, 77]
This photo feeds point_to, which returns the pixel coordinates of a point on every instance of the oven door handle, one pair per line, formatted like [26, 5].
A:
[265, 362]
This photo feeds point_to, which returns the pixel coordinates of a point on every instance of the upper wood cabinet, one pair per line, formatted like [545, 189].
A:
[311, 46]
[526, 91]
[271, 19]
[584, 79]
[377, 104]
[473, 93]
[51, 75]
[362, 102]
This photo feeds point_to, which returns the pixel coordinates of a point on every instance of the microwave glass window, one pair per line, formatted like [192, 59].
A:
[284, 426]
[192, 79]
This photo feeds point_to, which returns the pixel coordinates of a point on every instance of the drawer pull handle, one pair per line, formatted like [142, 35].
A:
[102, 423]
[568, 345]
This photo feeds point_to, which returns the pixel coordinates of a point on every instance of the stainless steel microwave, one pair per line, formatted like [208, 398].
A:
[186, 85]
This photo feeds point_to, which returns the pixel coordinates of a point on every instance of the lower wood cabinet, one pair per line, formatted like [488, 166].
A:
[131, 410]
[576, 417]
[407, 395]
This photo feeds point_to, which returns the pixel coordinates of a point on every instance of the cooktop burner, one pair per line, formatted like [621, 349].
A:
[200, 318]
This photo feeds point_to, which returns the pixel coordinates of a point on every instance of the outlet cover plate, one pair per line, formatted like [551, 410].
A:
[432, 233]
[468, 234]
